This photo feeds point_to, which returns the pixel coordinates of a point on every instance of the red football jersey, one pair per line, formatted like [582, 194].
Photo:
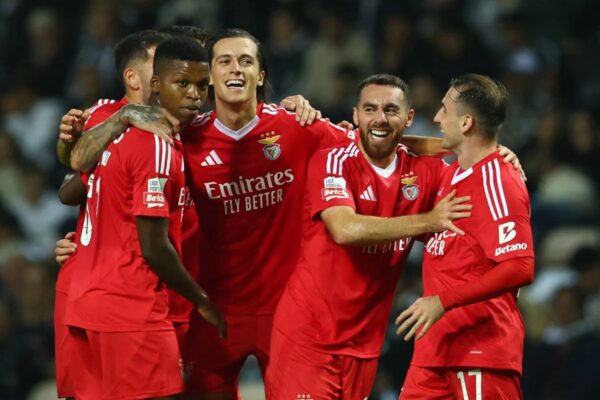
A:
[248, 187]
[179, 306]
[488, 334]
[338, 298]
[103, 109]
[115, 290]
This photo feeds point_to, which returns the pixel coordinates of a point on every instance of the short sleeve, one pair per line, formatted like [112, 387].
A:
[327, 186]
[149, 168]
[101, 111]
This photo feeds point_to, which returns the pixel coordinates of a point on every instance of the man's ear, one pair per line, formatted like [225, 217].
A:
[355, 116]
[409, 118]
[467, 123]
[154, 84]
[261, 78]
[131, 78]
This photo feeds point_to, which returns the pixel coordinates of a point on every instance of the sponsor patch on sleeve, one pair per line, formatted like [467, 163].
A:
[156, 185]
[334, 187]
[153, 199]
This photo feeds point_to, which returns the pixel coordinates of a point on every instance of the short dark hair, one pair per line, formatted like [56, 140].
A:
[486, 98]
[178, 48]
[262, 60]
[385, 80]
[186, 30]
[136, 46]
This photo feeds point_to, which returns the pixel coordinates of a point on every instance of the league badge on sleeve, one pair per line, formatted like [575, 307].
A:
[410, 190]
[271, 150]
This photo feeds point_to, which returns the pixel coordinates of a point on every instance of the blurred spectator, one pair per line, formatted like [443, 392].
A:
[31, 120]
[41, 214]
[285, 48]
[565, 365]
[11, 238]
[344, 94]
[47, 55]
[401, 51]
[586, 262]
[101, 30]
[203, 14]
[10, 186]
[336, 44]
[425, 101]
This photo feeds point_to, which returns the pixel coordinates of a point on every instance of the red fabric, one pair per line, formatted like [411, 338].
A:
[338, 298]
[126, 365]
[114, 289]
[445, 384]
[213, 363]
[299, 371]
[490, 333]
[248, 193]
[63, 349]
[506, 276]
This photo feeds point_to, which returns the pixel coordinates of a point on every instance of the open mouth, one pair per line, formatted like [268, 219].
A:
[379, 134]
[234, 84]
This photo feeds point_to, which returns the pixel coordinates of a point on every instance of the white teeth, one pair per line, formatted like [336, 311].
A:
[379, 133]
[234, 82]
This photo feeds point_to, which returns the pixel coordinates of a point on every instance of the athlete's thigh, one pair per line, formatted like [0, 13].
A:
[296, 372]
[213, 364]
[140, 364]
[358, 376]
[426, 384]
[87, 371]
[488, 384]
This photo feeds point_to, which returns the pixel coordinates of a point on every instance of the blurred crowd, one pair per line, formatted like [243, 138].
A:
[57, 54]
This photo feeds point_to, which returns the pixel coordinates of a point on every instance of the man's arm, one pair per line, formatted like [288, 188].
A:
[87, 150]
[65, 248]
[164, 261]
[506, 276]
[72, 191]
[349, 228]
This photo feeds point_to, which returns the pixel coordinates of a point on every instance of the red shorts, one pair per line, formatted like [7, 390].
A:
[213, 364]
[297, 372]
[126, 365]
[460, 383]
[181, 331]
[63, 348]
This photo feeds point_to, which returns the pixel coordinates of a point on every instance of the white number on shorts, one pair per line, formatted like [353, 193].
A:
[463, 383]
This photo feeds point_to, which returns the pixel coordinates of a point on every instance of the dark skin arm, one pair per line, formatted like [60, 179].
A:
[72, 190]
[164, 261]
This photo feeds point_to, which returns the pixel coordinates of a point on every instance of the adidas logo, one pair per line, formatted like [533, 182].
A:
[368, 194]
[212, 159]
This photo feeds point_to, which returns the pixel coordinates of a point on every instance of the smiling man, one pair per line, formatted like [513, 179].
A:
[359, 216]
[130, 243]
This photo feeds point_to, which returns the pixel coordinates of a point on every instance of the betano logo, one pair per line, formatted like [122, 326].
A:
[509, 248]
[506, 232]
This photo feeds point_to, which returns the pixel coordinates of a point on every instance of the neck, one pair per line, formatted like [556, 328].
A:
[381, 162]
[474, 149]
[134, 97]
[235, 115]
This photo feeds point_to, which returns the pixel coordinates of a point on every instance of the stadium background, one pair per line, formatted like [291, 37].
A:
[56, 54]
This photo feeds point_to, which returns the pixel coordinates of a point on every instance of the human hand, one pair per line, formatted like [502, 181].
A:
[212, 314]
[510, 157]
[305, 113]
[151, 119]
[424, 312]
[447, 210]
[65, 248]
[71, 124]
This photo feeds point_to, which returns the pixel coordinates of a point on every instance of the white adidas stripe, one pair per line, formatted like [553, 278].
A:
[368, 194]
[162, 156]
[337, 157]
[212, 159]
[494, 191]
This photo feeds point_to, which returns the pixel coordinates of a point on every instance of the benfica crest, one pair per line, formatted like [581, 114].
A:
[271, 150]
[410, 190]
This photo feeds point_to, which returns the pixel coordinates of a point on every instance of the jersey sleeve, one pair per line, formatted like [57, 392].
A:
[327, 186]
[101, 111]
[506, 233]
[150, 169]
[329, 135]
